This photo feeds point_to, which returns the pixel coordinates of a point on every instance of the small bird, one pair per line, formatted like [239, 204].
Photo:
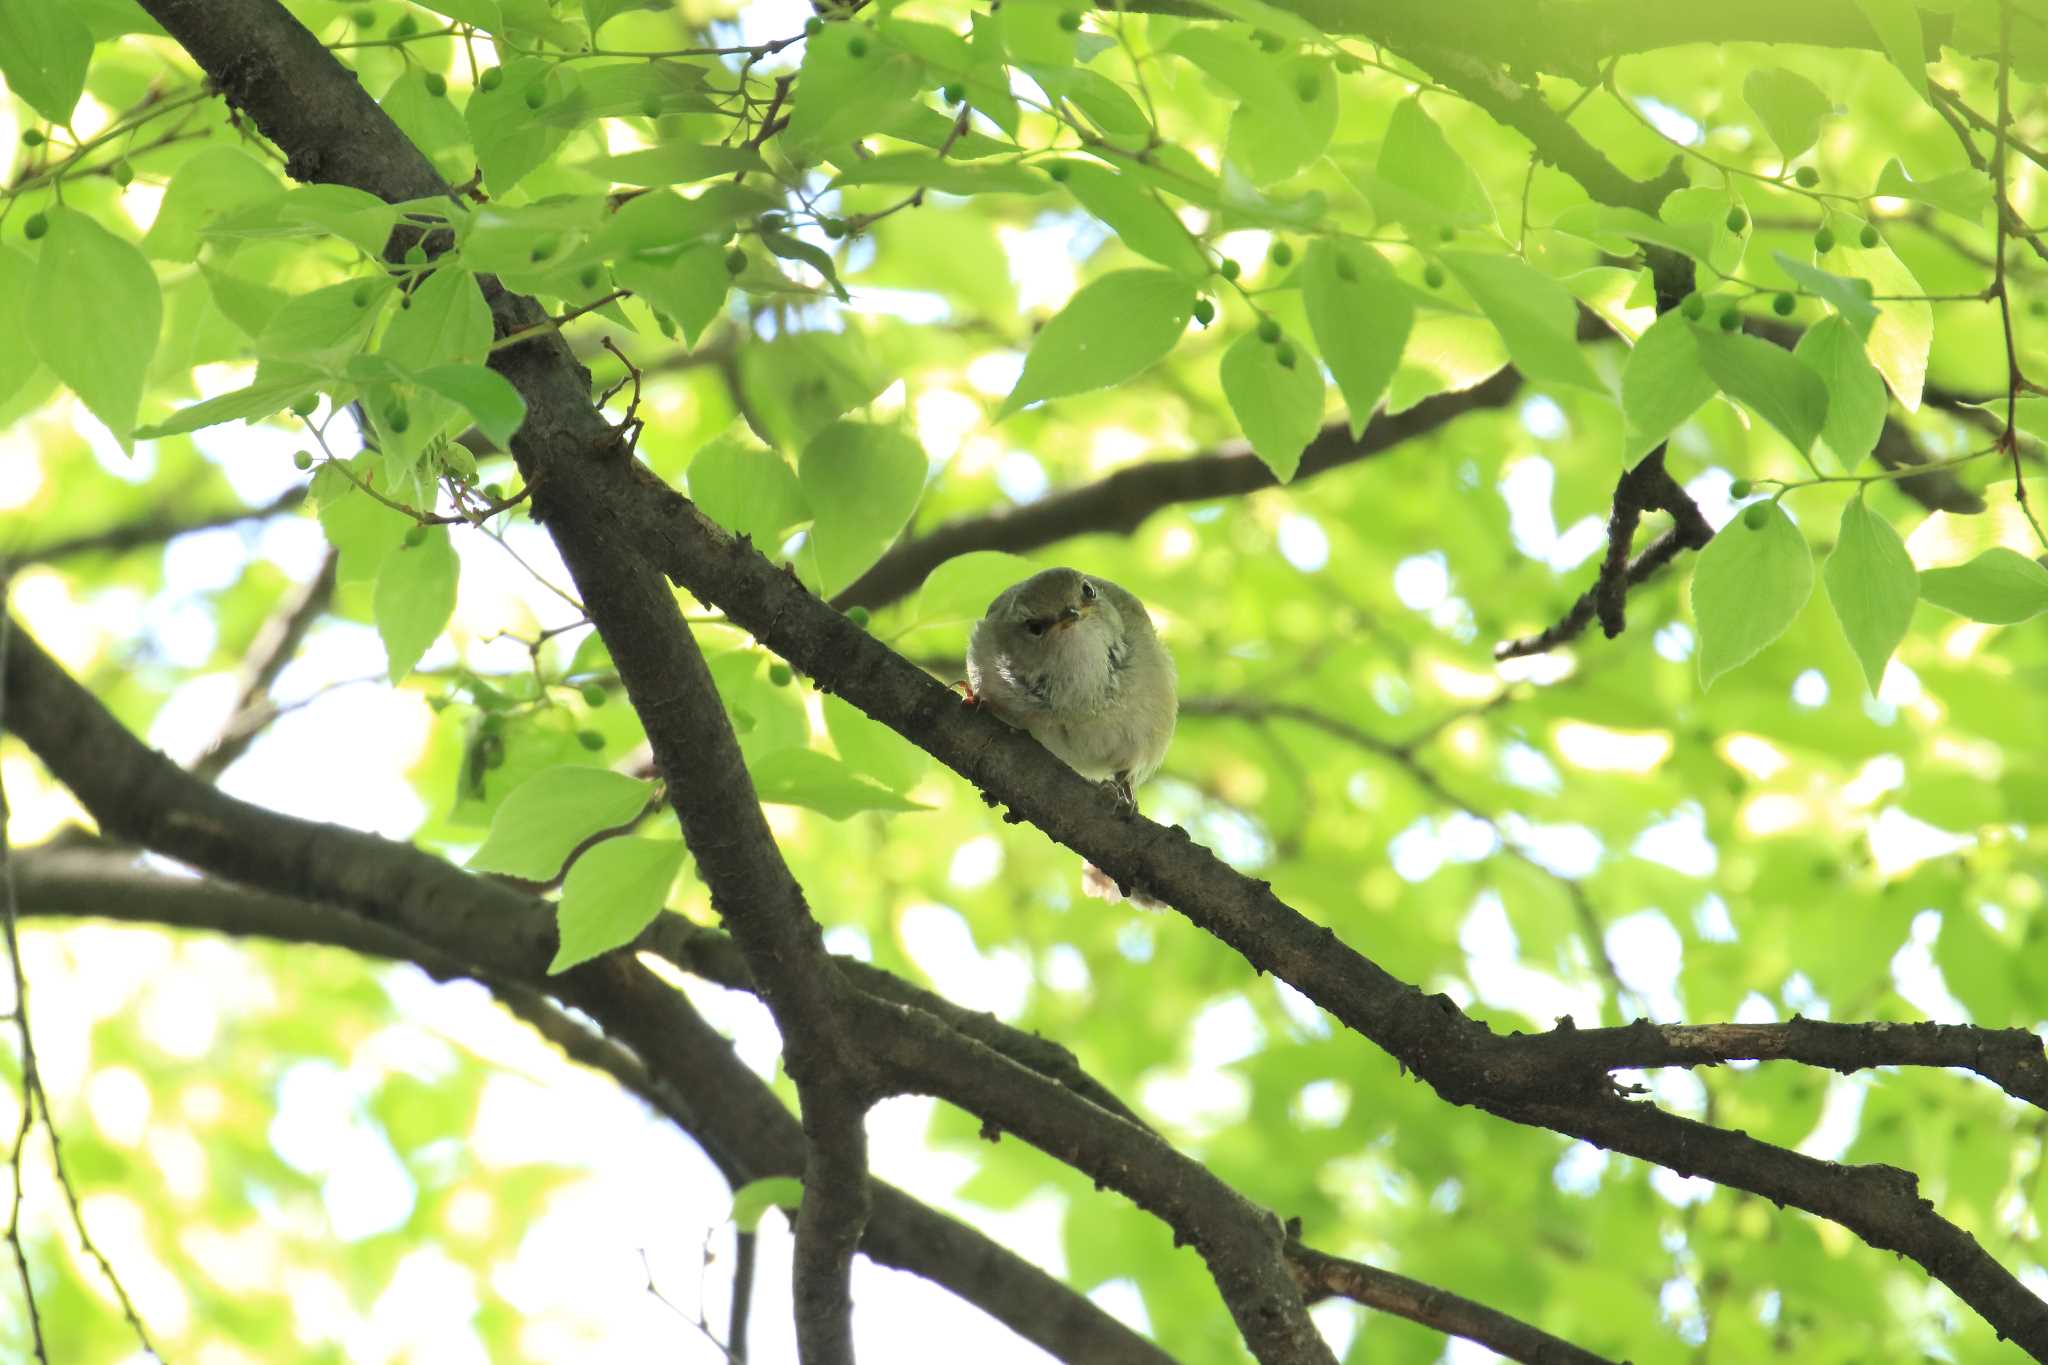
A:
[1073, 661]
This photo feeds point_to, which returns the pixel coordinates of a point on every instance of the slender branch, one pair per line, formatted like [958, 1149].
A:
[155, 530]
[274, 648]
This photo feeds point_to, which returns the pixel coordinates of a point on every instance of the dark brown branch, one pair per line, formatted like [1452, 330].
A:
[274, 648]
[1120, 502]
[1323, 1276]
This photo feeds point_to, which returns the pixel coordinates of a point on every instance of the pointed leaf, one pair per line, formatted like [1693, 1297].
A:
[1109, 331]
[1872, 587]
[611, 894]
[1279, 405]
[673, 163]
[542, 820]
[1903, 334]
[44, 51]
[748, 489]
[1750, 584]
[690, 285]
[851, 82]
[1134, 213]
[260, 399]
[1964, 193]
[1856, 394]
[1774, 383]
[1419, 164]
[415, 596]
[94, 316]
[1790, 106]
[216, 181]
[489, 398]
[1361, 318]
[1850, 297]
[2000, 586]
[1537, 317]
[862, 483]
[805, 777]
[1664, 383]
[446, 322]
[1897, 25]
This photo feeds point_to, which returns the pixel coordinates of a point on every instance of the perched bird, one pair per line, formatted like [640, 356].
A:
[1073, 661]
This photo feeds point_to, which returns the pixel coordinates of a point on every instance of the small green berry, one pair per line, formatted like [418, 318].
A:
[365, 18]
[123, 173]
[1284, 353]
[1348, 65]
[308, 404]
[770, 222]
[404, 303]
[1346, 271]
[858, 615]
[1280, 254]
[1782, 305]
[953, 94]
[1447, 234]
[1205, 312]
[590, 739]
[594, 694]
[779, 674]
[303, 459]
[32, 137]
[492, 78]
[1269, 331]
[1229, 269]
[1059, 171]
[1740, 489]
[1694, 306]
[1729, 321]
[437, 84]
[667, 325]
[1824, 241]
[403, 27]
[651, 107]
[856, 46]
[813, 26]
[495, 492]
[735, 261]
[494, 753]
[588, 276]
[1755, 515]
[361, 297]
[398, 419]
[1433, 275]
[835, 228]
[1269, 42]
[415, 537]
[1868, 237]
[544, 248]
[1737, 219]
[2037, 308]
[1071, 21]
[1307, 87]
[536, 97]
[1807, 176]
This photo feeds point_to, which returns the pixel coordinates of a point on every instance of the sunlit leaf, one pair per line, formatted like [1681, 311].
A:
[1751, 581]
[1872, 587]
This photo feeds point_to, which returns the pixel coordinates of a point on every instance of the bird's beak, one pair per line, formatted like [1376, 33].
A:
[1067, 618]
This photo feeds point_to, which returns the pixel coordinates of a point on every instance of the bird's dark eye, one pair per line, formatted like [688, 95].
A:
[1036, 625]
[1087, 591]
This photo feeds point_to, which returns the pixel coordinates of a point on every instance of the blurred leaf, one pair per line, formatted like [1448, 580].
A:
[44, 51]
[1361, 318]
[1279, 404]
[1872, 586]
[541, 821]
[1790, 105]
[756, 1197]
[862, 483]
[1537, 317]
[805, 777]
[94, 316]
[1750, 583]
[1775, 384]
[2000, 586]
[415, 596]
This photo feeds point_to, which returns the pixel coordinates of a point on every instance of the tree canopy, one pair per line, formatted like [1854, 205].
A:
[497, 490]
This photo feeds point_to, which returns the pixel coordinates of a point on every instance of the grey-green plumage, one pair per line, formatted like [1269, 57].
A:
[1073, 660]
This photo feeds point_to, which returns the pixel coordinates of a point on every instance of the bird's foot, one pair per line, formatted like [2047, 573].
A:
[966, 691]
[1119, 789]
[1099, 885]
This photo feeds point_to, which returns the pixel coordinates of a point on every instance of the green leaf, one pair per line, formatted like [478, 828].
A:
[749, 490]
[1613, 227]
[690, 285]
[958, 592]
[674, 163]
[1111, 329]
[482, 14]
[611, 894]
[1903, 334]
[926, 171]
[800, 383]
[862, 483]
[1280, 407]
[1850, 297]
[2001, 587]
[662, 220]
[1134, 213]
[248, 304]
[1435, 187]
[1964, 193]
[1107, 105]
[486, 395]
[1897, 25]
[1872, 587]
[93, 317]
[216, 181]
[44, 51]
[363, 531]
[17, 283]
[1361, 318]
[756, 1197]
[542, 820]
[1287, 100]
[819, 782]
[1790, 106]
[415, 596]
[1775, 384]
[1749, 585]
[1664, 383]
[260, 399]
[510, 143]
[1537, 317]
[324, 326]
[447, 323]
[796, 249]
[1856, 394]
[841, 97]
[872, 749]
